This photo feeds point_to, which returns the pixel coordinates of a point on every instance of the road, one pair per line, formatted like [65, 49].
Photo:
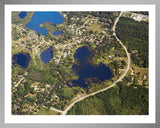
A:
[54, 109]
[114, 33]
[19, 82]
[120, 78]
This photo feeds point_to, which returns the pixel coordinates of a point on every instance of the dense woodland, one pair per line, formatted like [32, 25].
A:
[120, 100]
[134, 35]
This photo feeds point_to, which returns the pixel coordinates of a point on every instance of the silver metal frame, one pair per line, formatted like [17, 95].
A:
[4, 2]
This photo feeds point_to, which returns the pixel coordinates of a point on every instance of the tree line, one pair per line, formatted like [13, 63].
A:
[135, 36]
[119, 100]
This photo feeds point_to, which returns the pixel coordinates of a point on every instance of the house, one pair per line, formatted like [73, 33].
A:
[65, 54]
[110, 57]
[47, 86]
[43, 89]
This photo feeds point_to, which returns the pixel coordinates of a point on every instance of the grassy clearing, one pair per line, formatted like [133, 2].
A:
[68, 92]
[51, 28]
[137, 69]
[45, 111]
[142, 71]
[95, 27]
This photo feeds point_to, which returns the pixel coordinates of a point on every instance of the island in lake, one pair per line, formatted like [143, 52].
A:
[80, 63]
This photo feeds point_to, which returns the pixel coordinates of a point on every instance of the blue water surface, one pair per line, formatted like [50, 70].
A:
[42, 17]
[22, 14]
[86, 70]
[57, 33]
[82, 54]
[47, 55]
[21, 59]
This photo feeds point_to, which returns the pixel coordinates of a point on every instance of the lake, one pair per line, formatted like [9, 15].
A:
[85, 70]
[42, 17]
[22, 14]
[21, 59]
[47, 55]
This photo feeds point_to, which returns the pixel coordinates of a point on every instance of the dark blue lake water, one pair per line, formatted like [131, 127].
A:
[21, 59]
[22, 14]
[42, 17]
[57, 33]
[86, 70]
[47, 55]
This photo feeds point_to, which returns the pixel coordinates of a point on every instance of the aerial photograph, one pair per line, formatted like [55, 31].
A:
[80, 63]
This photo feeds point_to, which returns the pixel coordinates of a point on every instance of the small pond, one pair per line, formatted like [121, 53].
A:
[22, 14]
[47, 55]
[21, 59]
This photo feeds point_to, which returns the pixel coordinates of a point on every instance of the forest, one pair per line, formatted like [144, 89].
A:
[120, 100]
[134, 36]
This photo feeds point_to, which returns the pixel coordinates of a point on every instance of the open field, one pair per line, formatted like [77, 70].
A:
[95, 27]
[44, 111]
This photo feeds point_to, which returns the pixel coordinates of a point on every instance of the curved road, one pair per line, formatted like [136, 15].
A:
[120, 78]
